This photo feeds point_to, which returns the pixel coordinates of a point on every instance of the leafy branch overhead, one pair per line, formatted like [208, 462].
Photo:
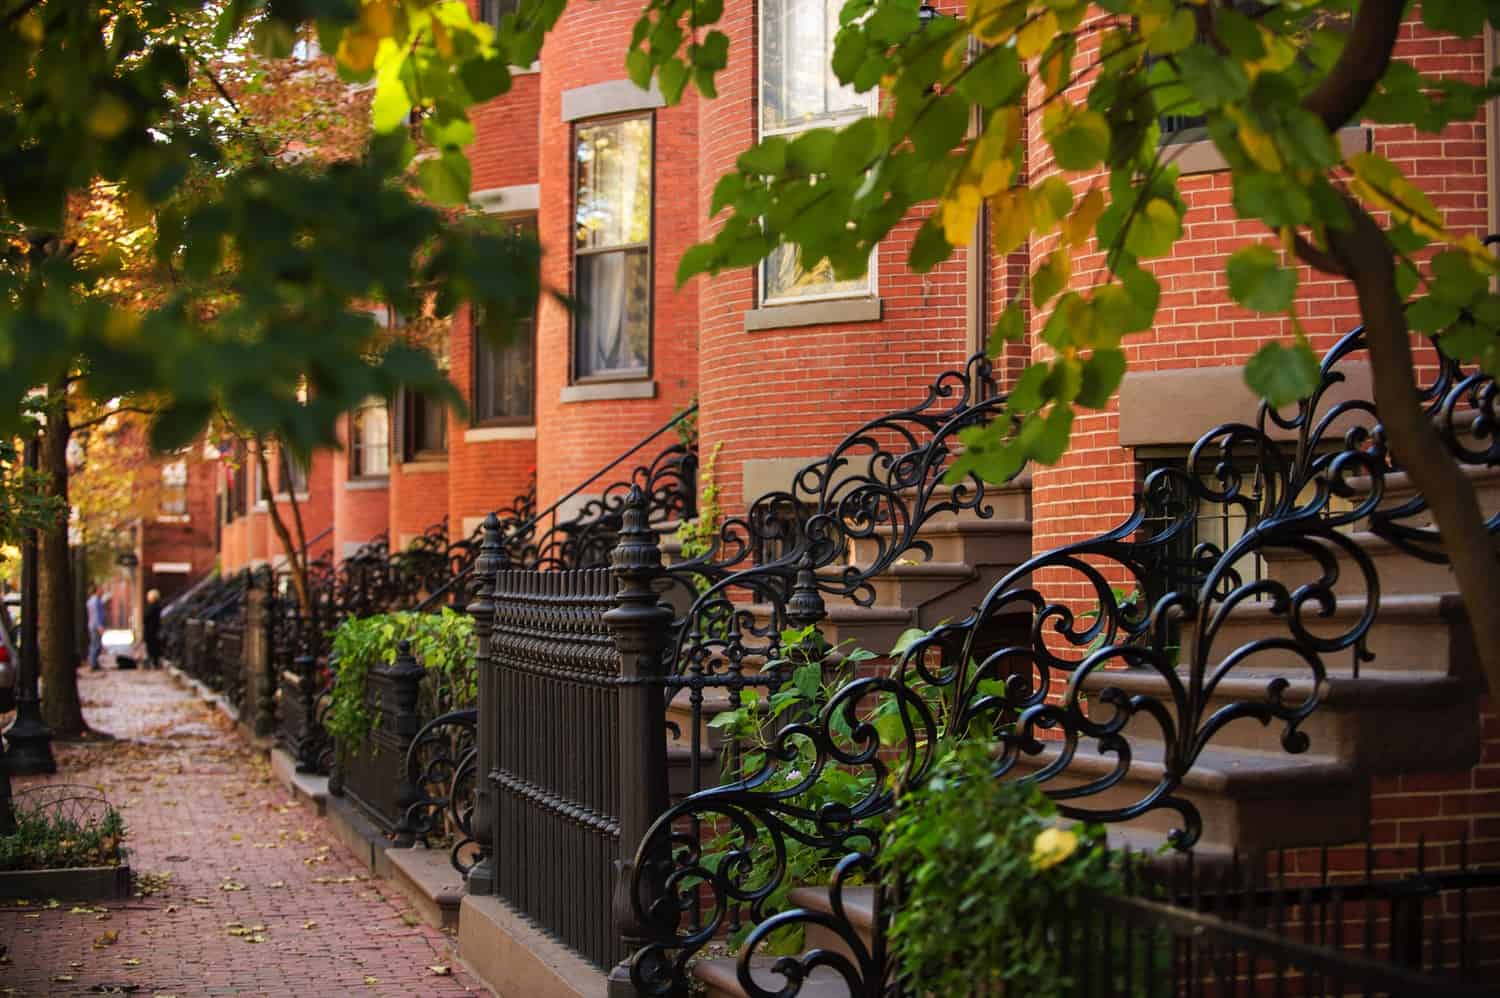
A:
[955, 94]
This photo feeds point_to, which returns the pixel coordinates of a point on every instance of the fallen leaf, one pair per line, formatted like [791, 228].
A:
[277, 883]
[108, 939]
[131, 961]
[411, 918]
[371, 980]
[309, 925]
[62, 978]
[441, 971]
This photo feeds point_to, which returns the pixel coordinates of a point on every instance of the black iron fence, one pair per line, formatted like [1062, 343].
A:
[1403, 921]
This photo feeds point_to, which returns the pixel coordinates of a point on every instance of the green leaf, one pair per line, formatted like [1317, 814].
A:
[1430, 314]
[1102, 373]
[445, 178]
[1154, 229]
[1009, 328]
[1212, 79]
[1258, 281]
[930, 248]
[1464, 18]
[766, 159]
[1455, 278]
[176, 425]
[1079, 138]
[1282, 374]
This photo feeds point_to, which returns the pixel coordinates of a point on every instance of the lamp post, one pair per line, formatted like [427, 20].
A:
[29, 739]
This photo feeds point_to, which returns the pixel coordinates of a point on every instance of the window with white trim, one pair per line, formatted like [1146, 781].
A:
[370, 440]
[799, 91]
[174, 489]
[612, 208]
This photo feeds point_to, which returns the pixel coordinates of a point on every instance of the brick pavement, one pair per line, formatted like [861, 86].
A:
[241, 888]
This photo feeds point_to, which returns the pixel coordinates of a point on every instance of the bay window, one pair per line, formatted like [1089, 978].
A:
[799, 91]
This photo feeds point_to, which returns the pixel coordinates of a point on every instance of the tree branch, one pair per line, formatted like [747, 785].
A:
[89, 424]
[288, 546]
[1449, 493]
[1367, 53]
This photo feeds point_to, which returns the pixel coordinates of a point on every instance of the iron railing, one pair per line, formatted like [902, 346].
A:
[1395, 921]
[1029, 668]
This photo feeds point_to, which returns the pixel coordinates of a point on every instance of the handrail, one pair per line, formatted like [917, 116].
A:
[437, 594]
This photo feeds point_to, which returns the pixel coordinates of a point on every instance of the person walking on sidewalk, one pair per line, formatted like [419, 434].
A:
[151, 625]
[95, 608]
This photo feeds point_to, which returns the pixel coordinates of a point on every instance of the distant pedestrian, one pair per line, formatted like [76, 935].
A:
[95, 607]
[152, 626]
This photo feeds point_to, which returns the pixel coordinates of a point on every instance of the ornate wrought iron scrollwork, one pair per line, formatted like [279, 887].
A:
[585, 540]
[1300, 483]
[441, 764]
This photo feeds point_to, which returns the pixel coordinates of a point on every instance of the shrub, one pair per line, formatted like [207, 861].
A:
[48, 840]
[982, 867]
[442, 642]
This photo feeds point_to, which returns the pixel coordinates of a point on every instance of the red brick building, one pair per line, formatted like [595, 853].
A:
[784, 361]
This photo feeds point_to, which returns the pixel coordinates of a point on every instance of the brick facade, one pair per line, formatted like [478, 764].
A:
[785, 391]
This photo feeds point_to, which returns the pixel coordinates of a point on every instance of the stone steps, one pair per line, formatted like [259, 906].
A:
[1243, 796]
[1383, 723]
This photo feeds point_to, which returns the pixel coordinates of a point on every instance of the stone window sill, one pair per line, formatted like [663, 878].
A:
[487, 434]
[366, 484]
[833, 312]
[598, 391]
[424, 467]
[1202, 156]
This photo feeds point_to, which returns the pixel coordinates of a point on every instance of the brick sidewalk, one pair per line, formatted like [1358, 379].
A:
[242, 890]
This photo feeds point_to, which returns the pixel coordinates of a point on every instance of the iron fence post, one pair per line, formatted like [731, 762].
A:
[640, 624]
[403, 723]
[492, 559]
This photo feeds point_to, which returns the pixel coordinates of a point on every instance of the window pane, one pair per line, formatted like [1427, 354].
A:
[491, 11]
[371, 440]
[503, 378]
[174, 480]
[613, 202]
[293, 475]
[798, 86]
[614, 321]
[785, 278]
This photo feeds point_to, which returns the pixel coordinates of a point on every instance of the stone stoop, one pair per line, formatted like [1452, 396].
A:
[359, 835]
[308, 786]
[515, 959]
[429, 881]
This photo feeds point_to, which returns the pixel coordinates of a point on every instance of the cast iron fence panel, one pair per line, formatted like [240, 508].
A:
[1286, 925]
[557, 792]
[442, 766]
[1029, 693]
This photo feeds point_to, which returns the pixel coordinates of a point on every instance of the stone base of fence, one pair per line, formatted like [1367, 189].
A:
[430, 883]
[515, 959]
[308, 786]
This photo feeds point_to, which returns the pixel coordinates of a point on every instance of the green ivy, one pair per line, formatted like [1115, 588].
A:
[697, 536]
[442, 642]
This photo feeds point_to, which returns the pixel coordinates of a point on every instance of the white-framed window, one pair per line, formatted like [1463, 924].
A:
[492, 11]
[370, 440]
[612, 208]
[174, 489]
[799, 91]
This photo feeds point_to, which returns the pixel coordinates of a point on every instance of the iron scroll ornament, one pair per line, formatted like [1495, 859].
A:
[1304, 482]
[792, 550]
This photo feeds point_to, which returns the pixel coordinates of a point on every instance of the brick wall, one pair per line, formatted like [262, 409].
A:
[360, 512]
[574, 439]
[796, 391]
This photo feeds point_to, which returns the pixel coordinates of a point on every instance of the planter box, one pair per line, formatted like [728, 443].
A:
[75, 883]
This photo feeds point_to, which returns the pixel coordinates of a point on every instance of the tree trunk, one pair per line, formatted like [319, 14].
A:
[296, 559]
[1417, 446]
[61, 707]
